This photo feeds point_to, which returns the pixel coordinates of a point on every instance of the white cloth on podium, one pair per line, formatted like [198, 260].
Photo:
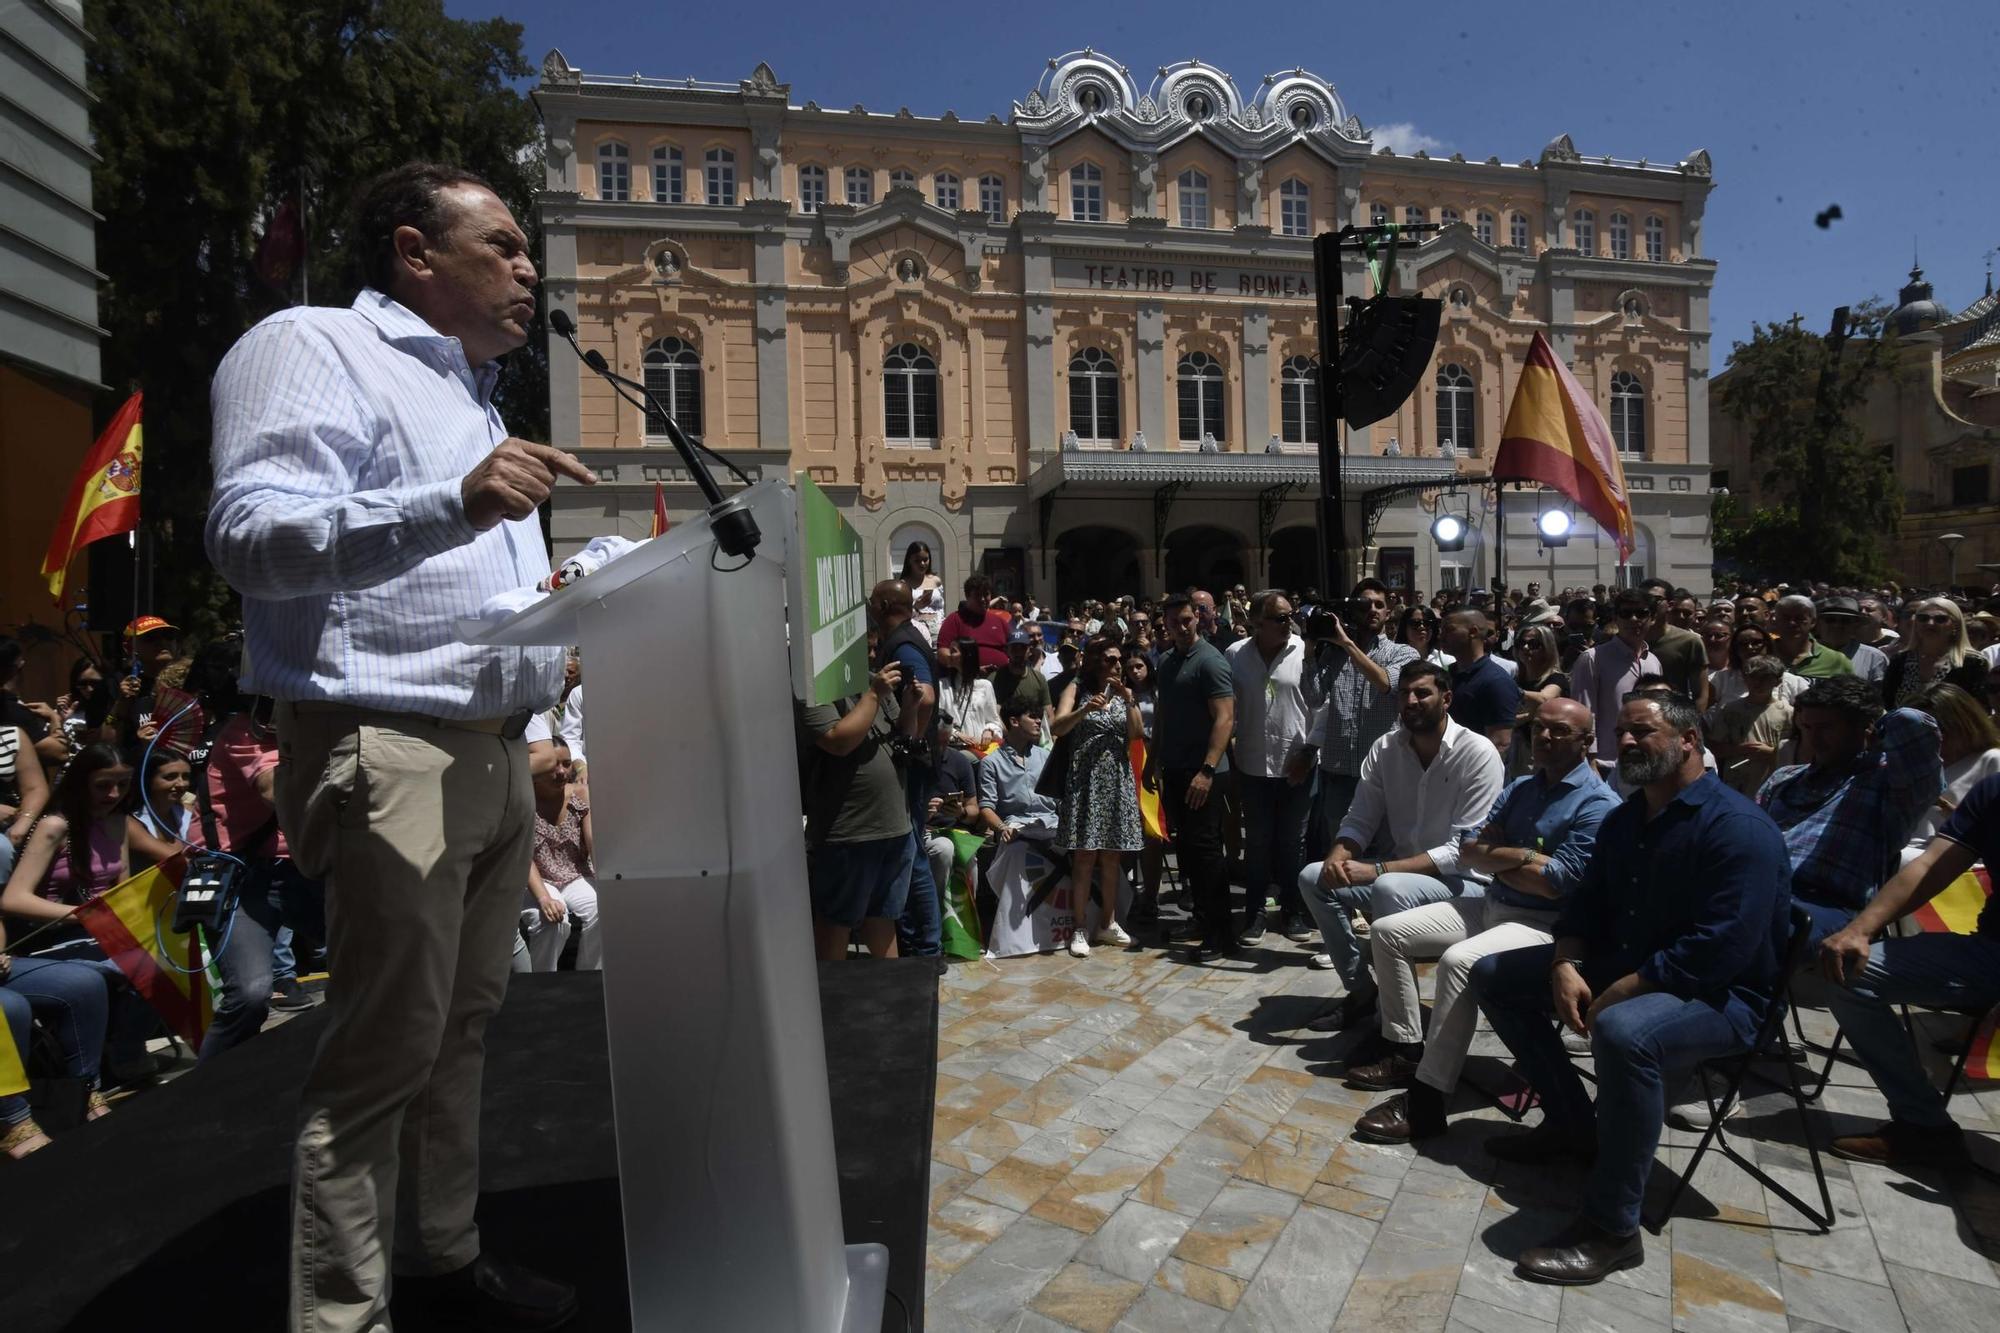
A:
[501, 607]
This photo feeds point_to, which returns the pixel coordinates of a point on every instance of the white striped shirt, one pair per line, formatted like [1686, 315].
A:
[342, 438]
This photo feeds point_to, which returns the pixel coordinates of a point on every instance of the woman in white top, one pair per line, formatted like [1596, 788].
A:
[967, 698]
[24, 793]
[1969, 747]
[166, 813]
[927, 600]
[1728, 683]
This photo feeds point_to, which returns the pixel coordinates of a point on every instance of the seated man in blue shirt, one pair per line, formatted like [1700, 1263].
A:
[1847, 814]
[1009, 805]
[1947, 971]
[1536, 845]
[1667, 953]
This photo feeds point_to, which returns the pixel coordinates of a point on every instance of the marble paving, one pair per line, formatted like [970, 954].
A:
[1127, 1144]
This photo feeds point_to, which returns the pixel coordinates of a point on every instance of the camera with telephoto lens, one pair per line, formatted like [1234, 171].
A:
[207, 894]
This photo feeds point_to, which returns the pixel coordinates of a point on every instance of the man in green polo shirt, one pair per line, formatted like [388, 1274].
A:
[1792, 621]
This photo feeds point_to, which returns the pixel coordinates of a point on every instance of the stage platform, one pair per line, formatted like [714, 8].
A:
[172, 1212]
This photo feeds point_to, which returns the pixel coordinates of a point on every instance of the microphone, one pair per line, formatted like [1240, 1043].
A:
[736, 530]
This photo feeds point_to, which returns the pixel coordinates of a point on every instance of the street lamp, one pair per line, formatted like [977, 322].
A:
[1950, 541]
[1553, 525]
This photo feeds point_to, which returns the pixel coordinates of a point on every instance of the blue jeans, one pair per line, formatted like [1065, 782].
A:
[73, 1004]
[853, 881]
[919, 931]
[1642, 1047]
[132, 1022]
[275, 894]
[1274, 839]
[1330, 907]
[1946, 971]
[1826, 919]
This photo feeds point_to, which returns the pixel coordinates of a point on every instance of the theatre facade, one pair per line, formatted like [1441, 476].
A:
[1075, 347]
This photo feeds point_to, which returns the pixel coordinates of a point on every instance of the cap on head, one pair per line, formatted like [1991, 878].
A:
[145, 625]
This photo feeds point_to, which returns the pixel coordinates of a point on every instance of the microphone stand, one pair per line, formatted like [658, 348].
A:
[736, 531]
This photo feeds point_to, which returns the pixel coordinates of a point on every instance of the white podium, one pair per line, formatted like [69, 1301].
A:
[711, 997]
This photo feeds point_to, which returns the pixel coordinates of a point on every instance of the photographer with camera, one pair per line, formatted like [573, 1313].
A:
[917, 742]
[858, 844]
[1353, 696]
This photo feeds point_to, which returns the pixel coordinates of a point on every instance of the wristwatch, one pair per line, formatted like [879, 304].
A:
[1206, 770]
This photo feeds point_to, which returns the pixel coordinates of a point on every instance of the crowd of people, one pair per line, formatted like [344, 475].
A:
[174, 761]
[1610, 806]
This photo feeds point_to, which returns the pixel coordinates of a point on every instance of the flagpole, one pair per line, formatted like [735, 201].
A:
[1499, 543]
[305, 244]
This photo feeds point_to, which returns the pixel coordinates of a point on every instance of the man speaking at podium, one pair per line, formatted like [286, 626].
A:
[366, 494]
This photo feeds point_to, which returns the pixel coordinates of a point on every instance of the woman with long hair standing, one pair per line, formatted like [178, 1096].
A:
[927, 600]
[1100, 805]
[1938, 653]
[1419, 629]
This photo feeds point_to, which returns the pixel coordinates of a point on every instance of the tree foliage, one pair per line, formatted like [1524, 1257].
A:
[1828, 497]
[210, 115]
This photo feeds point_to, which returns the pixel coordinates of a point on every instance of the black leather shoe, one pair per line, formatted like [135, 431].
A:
[1299, 928]
[1417, 1114]
[1580, 1254]
[1544, 1143]
[490, 1294]
[1351, 1010]
[1387, 1075]
[1208, 951]
[1253, 930]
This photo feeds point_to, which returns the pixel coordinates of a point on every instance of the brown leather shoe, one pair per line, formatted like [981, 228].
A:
[1397, 1071]
[1580, 1254]
[1546, 1142]
[1416, 1114]
[1897, 1143]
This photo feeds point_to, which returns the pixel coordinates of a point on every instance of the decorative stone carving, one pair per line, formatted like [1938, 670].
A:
[557, 69]
[1353, 128]
[1069, 442]
[1139, 445]
[1208, 444]
[908, 269]
[1274, 447]
[1699, 164]
[1561, 149]
[1036, 177]
[1394, 449]
[1250, 191]
[667, 264]
[1034, 105]
[1145, 182]
[762, 80]
[1146, 110]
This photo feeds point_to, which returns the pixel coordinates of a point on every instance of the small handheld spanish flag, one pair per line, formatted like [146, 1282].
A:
[13, 1070]
[659, 511]
[104, 498]
[131, 923]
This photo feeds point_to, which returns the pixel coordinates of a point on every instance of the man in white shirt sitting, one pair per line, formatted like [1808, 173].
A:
[1423, 786]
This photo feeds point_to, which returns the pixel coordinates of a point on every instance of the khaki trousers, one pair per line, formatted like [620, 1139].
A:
[422, 833]
[1458, 933]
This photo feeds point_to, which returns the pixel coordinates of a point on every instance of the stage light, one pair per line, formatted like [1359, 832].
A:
[1554, 526]
[1448, 531]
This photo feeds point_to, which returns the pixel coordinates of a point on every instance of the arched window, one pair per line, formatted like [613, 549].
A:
[1194, 198]
[1628, 413]
[669, 176]
[1199, 389]
[1620, 235]
[860, 183]
[812, 189]
[1583, 230]
[1295, 208]
[902, 179]
[1093, 396]
[614, 171]
[944, 188]
[1483, 224]
[1457, 399]
[1298, 406]
[1378, 215]
[993, 198]
[673, 374]
[1086, 192]
[721, 183]
[1412, 215]
[1517, 231]
[1656, 239]
[910, 395]
[1449, 216]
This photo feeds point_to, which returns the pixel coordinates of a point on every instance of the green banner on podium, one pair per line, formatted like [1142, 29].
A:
[836, 598]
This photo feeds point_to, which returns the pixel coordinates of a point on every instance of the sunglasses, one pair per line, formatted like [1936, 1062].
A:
[1630, 614]
[1932, 618]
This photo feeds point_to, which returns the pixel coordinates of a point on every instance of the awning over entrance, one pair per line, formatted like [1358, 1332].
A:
[1123, 471]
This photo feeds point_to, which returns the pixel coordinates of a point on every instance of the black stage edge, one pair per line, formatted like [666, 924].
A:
[173, 1211]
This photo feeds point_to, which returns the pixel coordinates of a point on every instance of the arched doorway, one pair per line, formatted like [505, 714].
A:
[899, 545]
[1096, 562]
[1295, 560]
[1204, 557]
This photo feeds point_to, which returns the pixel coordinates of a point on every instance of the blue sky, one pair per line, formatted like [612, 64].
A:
[1889, 111]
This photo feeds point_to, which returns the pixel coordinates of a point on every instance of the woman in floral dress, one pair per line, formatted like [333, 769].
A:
[1100, 803]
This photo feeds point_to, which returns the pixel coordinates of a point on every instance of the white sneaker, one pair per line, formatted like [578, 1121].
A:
[1113, 933]
[1692, 1114]
[1079, 947]
[1320, 962]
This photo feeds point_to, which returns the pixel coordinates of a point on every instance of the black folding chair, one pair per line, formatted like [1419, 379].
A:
[1732, 1069]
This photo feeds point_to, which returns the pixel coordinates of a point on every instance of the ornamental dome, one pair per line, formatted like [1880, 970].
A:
[1916, 309]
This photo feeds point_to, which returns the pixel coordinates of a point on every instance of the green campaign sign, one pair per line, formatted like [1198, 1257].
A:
[836, 597]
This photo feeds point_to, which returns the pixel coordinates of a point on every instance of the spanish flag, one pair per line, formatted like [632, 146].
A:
[104, 498]
[1956, 907]
[1152, 819]
[130, 923]
[1982, 1058]
[1556, 436]
[659, 511]
[13, 1071]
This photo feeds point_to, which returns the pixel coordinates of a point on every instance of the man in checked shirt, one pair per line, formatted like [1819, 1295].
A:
[366, 495]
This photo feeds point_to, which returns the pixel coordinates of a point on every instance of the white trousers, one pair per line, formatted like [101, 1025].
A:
[1458, 932]
[546, 938]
